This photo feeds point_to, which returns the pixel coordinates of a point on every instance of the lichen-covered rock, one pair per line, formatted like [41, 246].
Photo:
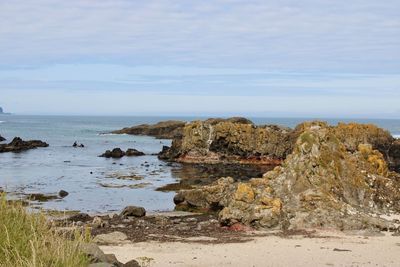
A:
[18, 145]
[238, 140]
[230, 140]
[323, 183]
[162, 130]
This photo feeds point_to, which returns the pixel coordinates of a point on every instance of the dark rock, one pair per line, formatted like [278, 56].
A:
[18, 145]
[115, 153]
[161, 130]
[82, 217]
[132, 263]
[179, 198]
[76, 145]
[2, 138]
[63, 193]
[133, 152]
[394, 155]
[133, 211]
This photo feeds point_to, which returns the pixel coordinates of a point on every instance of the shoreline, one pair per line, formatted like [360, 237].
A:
[325, 248]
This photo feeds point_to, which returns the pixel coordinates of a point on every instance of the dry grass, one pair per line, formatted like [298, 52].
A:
[26, 239]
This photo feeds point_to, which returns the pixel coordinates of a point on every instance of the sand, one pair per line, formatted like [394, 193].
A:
[330, 248]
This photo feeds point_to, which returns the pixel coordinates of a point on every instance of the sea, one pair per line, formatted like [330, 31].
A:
[94, 183]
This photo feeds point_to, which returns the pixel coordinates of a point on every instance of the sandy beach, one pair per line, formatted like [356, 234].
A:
[326, 248]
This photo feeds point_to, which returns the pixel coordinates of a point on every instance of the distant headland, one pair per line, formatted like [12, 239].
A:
[3, 113]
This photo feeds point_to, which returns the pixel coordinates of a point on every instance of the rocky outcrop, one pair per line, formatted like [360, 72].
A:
[230, 140]
[18, 145]
[162, 130]
[325, 182]
[2, 138]
[119, 153]
[240, 141]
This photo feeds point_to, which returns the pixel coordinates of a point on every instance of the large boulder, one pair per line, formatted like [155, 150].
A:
[229, 140]
[162, 130]
[18, 145]
[322, 183]
[133, 211]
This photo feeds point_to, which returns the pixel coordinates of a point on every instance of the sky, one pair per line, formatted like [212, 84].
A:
[268, 58]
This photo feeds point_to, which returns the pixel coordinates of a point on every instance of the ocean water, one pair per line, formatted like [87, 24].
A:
[91, 180]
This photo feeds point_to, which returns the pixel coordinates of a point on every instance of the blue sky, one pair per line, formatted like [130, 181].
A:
[224, 57]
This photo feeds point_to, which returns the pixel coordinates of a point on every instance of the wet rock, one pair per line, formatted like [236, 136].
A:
[115, 153]
[78, 145]
[2, 138]
[63, 193]
[131, 152]
[133, 211]
[18, 145]
[161, 130]
[322, 183]
[114, 238]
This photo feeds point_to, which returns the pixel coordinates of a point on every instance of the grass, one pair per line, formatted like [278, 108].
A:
[26, 239]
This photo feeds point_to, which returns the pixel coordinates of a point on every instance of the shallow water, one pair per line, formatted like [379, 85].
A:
[90, 180]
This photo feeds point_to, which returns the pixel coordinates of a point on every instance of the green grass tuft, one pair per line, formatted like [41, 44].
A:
[26, 239]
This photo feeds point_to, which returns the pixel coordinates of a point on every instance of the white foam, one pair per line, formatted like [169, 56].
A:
[106, 134]
[396, 135]
[2, 121]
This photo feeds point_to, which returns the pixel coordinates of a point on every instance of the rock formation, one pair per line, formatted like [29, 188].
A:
[2, 138]
[330, 180]
[18, 145]
[239, 140]
[230, 140]
[162, 130]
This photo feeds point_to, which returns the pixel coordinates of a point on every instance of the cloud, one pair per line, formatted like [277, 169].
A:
[254, 52]
[311, 35]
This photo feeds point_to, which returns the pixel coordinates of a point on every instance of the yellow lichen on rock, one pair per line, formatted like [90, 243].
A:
[275, 204]
[244, 193]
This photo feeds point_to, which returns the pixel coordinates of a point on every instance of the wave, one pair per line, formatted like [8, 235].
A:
[396, 135]
[110, 134]
[2, 121]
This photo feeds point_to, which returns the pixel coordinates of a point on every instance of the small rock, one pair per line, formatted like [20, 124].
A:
[133, 211]
[98, 222]
[132, 263]
[113, 238]
[133, 152]
[63, 193]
